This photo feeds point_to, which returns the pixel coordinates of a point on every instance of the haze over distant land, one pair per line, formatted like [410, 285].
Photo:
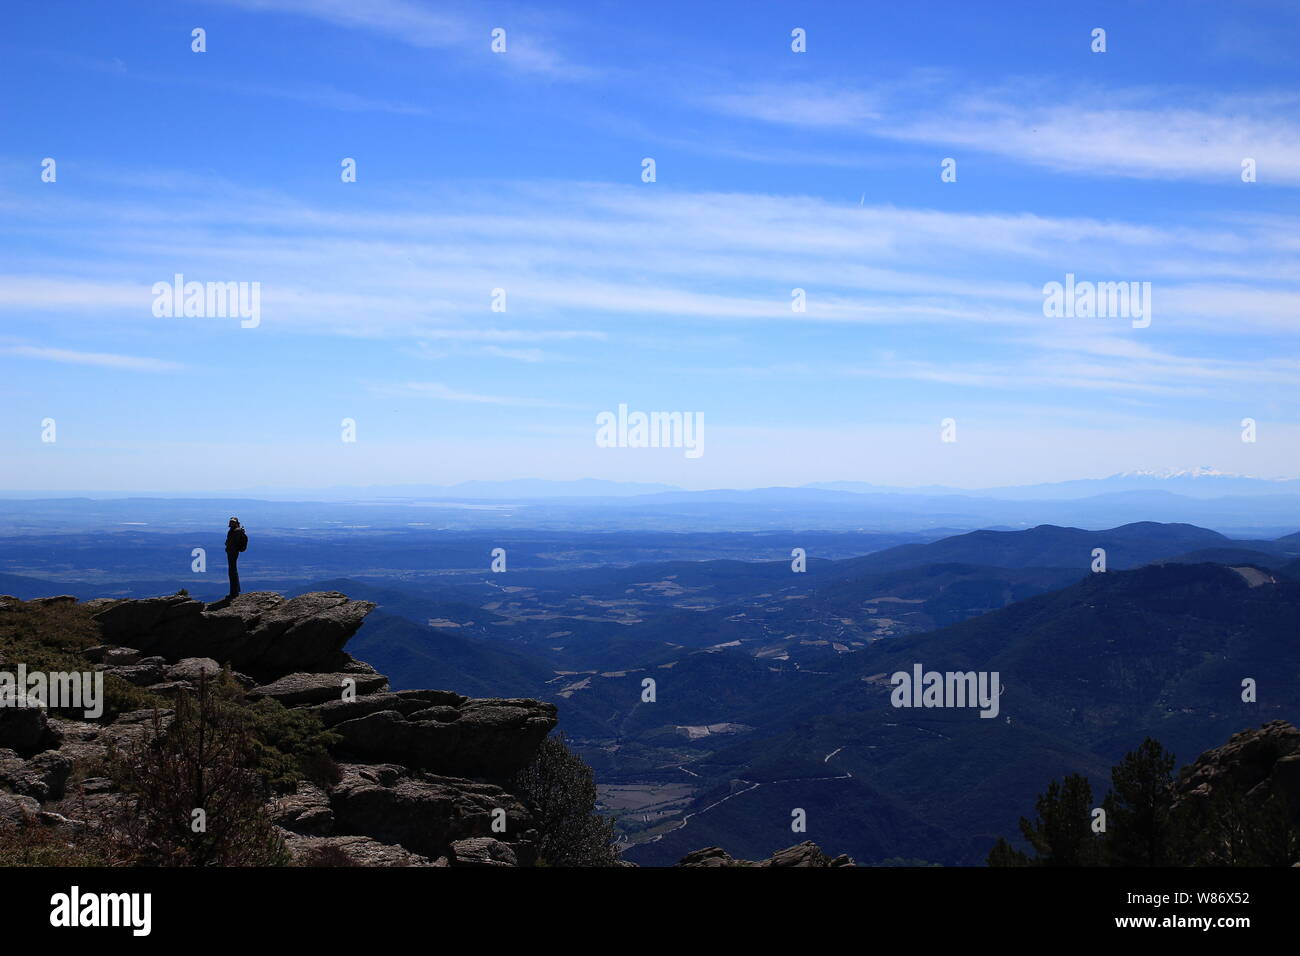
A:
[1200, 482]
[1233, 504]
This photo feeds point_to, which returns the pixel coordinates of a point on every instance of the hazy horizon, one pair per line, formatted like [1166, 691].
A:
[640, 486]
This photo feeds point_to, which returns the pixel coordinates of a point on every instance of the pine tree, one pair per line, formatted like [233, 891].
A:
[1062, 833]
[1141, 828]
[1004, 854]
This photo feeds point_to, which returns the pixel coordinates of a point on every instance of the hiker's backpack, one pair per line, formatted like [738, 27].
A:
[241, 540]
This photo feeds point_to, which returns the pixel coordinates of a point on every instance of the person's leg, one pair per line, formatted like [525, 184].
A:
[232, 560]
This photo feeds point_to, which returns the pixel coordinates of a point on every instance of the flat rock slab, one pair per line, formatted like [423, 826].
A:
[405, 702]
[294, 689]
[349, 851]
[261, 633]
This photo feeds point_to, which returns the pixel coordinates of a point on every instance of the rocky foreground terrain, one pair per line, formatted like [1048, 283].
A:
[1254, 763]
[421, 776]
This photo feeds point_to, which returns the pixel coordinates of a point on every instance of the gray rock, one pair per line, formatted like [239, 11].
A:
[491, 738]
[427, 813]
[305, 811]
[350, 665]
[349, 851]
[318, 688]
[193, 668]
[96, 785]
[50, 601]
[23, 721]
[482, 852]
[146, 672]
[87, 743]
[806, 854]
[122, 620]
[433, 698]
[442, 714]
[111, 654]
[710, 856]
[16, 809]
[42, 777]
[1256, 762]
[337, 711]
[260, 633]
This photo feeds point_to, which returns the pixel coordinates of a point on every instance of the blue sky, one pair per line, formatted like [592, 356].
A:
[522, 171]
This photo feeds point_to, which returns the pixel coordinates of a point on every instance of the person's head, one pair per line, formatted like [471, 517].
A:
[234, 522]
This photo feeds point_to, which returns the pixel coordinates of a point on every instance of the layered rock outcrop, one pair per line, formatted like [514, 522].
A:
[1255, 763]
[802, 854]
[423, 775]
[260, 633]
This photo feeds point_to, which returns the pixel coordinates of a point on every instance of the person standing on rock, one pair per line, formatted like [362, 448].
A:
[236, 542]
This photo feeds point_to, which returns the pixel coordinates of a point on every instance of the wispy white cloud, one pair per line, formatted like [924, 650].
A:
[802, 104]
[529, 47]
[518, 355]
[100, 359]
[421, 265]
[512, 335]
[471, 342]
[1144, 133]
[442, 392]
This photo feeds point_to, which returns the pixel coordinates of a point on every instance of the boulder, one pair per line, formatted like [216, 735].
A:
[426, 813]
[193, 669]
[804, 854]
[490, 738]
[111, 654]
[42, 777]
[482, 852]
[121, 620]
[149, 670]
[709, 856]
[17, 809]
[305, 811]
[23, 721]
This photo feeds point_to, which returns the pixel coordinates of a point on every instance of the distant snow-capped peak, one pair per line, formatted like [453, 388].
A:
[1200, 471]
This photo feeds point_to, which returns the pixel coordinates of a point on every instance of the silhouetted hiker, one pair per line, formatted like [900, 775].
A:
[236, 541]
